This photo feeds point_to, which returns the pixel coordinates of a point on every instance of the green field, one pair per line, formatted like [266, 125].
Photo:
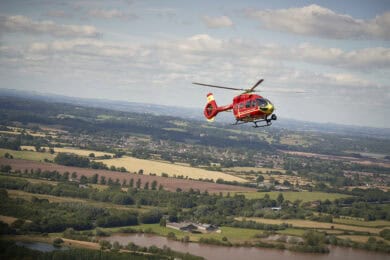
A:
[353, 222]
[292, 196]
[232, 234]
[27, 155]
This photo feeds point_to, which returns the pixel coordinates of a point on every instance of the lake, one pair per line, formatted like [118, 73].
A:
[226, 253]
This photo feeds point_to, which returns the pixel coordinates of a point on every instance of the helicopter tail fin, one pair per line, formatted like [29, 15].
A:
[211, 108]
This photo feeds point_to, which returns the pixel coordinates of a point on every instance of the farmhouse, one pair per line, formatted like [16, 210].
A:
[183, 226]
[192, 227]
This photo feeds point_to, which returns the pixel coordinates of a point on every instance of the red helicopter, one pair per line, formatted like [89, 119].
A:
[247, 107]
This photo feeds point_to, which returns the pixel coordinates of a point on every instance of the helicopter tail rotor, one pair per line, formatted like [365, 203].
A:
[211, 108]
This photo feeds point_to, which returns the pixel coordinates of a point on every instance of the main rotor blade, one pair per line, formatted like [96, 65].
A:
[254, 86]
[214, 86]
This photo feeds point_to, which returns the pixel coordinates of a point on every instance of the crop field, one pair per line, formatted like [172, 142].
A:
[77, 151]
[170, 184]
[304, 196]
[254, 169]
[173, 170]
[315, 225]
[27, 155]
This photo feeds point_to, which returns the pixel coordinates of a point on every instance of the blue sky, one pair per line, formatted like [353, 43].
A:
[150, 51]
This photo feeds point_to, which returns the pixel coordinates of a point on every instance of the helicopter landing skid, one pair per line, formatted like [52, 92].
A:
[267, 121]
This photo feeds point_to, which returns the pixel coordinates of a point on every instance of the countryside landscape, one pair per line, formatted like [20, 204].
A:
[189, 130]
[87, 179]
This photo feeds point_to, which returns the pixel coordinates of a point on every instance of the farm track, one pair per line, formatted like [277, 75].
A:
[170, 184]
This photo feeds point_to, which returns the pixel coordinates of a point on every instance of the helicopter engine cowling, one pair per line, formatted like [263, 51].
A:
[211, 108]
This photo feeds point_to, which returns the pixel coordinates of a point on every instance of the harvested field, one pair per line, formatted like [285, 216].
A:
[170, 184]
[8, 220]
[292, 196]
[70, 150]
[364, 161]
[134, 165]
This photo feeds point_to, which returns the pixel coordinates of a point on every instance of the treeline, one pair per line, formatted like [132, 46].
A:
[69, 159]
[365, 204]
[44, 216]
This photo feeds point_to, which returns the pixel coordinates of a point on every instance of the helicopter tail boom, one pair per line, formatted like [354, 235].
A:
[211, 109]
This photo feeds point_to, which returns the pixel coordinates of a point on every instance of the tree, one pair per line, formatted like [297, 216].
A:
[260, 178]
[5, 168]
[94, 178]
[83, 179]
[131, 183]
[154, 185]
[68, 159]
[146, 186]
[163, 222]
[92, 155]
[102, 180]
[138, 184]
[280, 199]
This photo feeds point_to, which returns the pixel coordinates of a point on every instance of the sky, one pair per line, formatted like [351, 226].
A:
[336, 52]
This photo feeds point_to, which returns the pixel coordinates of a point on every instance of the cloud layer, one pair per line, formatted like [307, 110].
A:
[315, 20]
[217, 22]
[23, 24]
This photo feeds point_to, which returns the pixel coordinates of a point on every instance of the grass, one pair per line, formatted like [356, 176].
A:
[300, 223]
[359, 239]
[292, 231]
[27, 155]
[31, 180]
[232, 234]
[353, 222]
[304, 196]
[51, 198]
[134, 165]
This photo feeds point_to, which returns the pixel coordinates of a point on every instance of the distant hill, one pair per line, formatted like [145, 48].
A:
[197, 114]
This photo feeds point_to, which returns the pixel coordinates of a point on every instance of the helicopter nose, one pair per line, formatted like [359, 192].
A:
[268, 109]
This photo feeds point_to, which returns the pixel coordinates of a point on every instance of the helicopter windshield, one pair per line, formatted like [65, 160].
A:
[262, 102]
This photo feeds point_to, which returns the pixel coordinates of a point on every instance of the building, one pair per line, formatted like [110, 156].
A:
[183, 226]
[192, 227]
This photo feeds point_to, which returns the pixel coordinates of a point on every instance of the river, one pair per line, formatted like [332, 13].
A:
[226, 253]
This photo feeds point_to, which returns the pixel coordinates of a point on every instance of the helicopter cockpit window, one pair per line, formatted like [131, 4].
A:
[261, 102]
[248, 104]
[241, 105]
[253, 103]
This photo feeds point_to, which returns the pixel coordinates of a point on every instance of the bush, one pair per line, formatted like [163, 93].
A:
[57, 242]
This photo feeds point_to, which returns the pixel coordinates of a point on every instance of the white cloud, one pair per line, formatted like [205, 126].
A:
[217, 22]
[200, 57]
[23, 24]
[365, 59]
[110, 14]
[315, 20]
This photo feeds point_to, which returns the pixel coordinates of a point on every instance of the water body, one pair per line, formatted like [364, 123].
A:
[226, 253]
[39, 246]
